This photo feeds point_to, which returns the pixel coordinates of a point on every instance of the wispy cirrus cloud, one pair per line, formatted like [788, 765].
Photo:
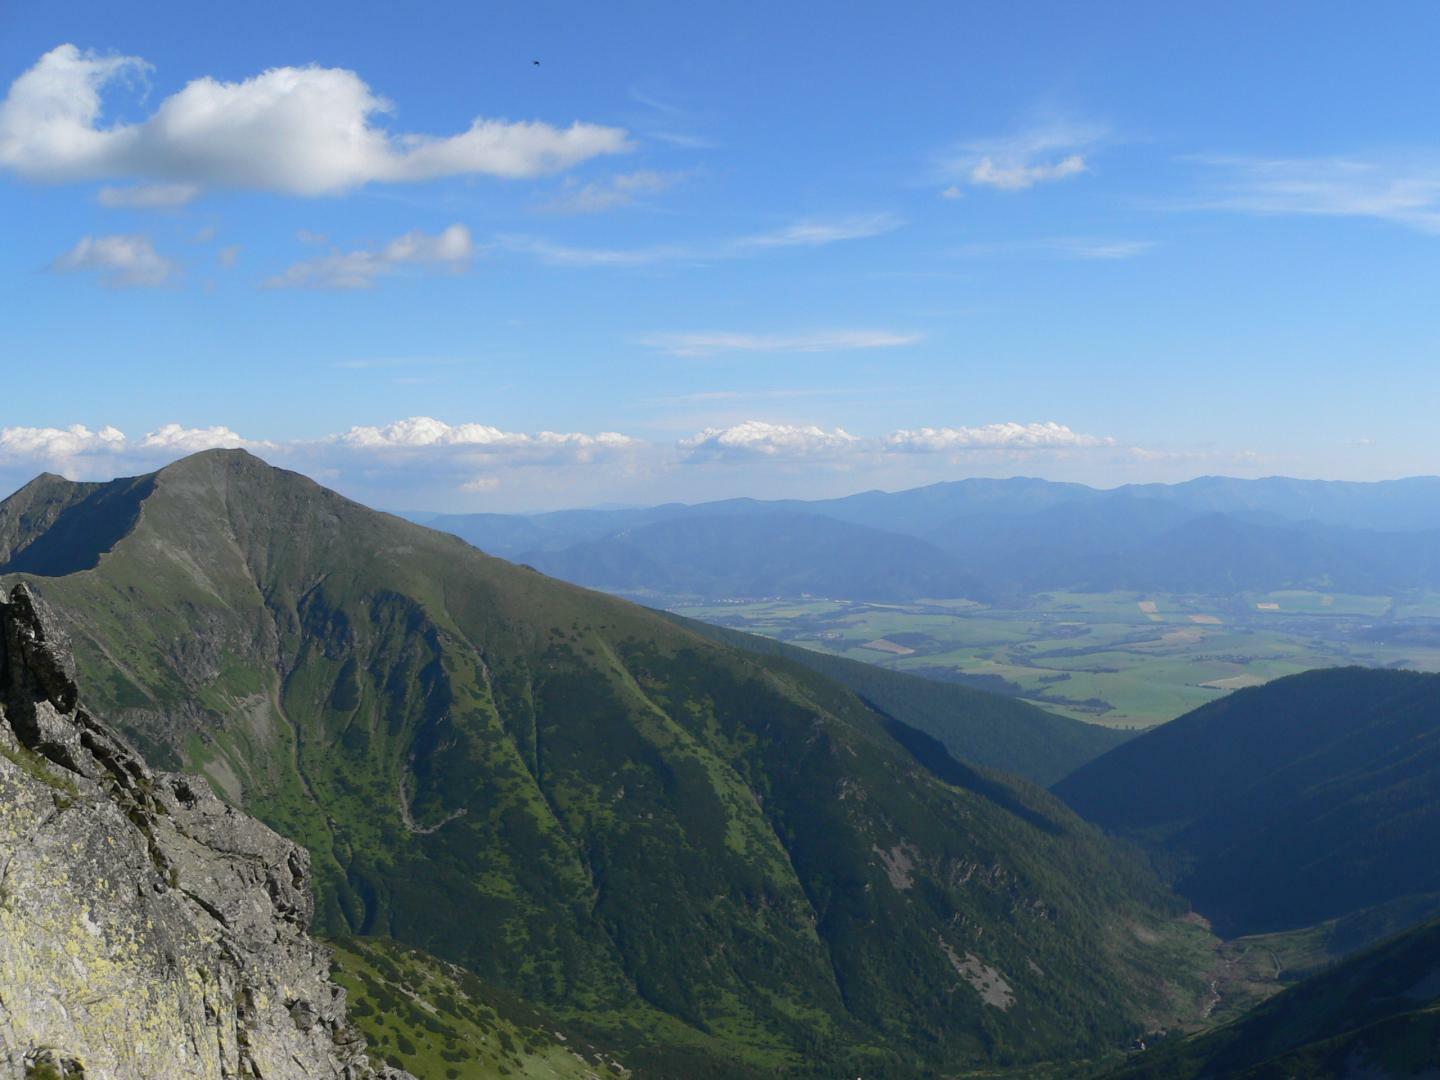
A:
[449, 250]
[1015, 162]
[624, 189]
[148, 196]
[1065, 247]
[819, 232]
[553, 254]
[1402, 191]
[119, 262]
[295, 130]
[709, 343]
[808, 233]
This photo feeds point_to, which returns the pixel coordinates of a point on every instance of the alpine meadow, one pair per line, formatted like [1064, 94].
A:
[696, 542]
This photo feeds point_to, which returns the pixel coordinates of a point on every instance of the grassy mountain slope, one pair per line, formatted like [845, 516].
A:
[1287, 804]
[988, 730]
[712, 862]
[761, 554]
[1377, 1015]
[439, 1022]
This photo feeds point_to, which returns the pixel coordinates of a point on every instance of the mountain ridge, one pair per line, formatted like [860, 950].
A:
[1286, 804]
[177, 943]
[658, 811]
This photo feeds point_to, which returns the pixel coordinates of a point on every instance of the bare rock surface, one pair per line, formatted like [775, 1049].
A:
[147, 929]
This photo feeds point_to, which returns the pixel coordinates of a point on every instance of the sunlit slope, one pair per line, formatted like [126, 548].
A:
[1283, 805]
[702, 857]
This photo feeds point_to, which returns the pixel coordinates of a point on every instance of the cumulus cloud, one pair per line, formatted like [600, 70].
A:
[758, 439]
[438, 462]
[709, 343]
[451, 249]
[622, 190]
[120, 262]
[1004, 436]
[427, 433]
[418, 452]
[176, 438]
[295, 130]
[81, 452]
[50, 445]
[1015, 162]
[1403, 192]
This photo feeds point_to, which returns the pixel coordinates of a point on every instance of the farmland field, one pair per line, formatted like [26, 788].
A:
[1119, 659]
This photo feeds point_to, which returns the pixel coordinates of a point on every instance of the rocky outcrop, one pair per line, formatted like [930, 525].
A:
[147, 930]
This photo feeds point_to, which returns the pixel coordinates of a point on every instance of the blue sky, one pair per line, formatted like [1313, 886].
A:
[707, 250]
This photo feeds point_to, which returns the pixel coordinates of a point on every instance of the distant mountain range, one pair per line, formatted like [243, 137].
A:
[1280, 806]
[983, 538]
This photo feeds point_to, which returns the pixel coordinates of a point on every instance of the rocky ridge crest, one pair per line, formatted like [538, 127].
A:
[147, 929]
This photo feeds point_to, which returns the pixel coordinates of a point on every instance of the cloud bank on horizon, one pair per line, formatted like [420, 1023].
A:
[424, 454]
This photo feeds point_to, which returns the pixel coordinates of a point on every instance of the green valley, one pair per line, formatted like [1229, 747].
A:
[1123, 659]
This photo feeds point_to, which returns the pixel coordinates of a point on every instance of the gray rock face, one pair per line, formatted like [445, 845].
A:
[147, 930]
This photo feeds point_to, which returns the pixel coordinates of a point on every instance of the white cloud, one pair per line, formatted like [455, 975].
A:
[758, 439]
[451, 249]
[622, 190]
[1016, 177]
[48, 445]
[228, 256]
[182, 440]
[148, 196]
[296, 130]
[1081, 248]
[427, 433]
[1404, 192]
[710, 343]
[567, 255]
[121, 262]
[816, 233]
[1069, 247]
[80, 452]
[1015, 162]
[1004, 436]
[419, 451]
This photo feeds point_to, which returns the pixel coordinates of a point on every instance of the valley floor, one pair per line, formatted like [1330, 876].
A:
[1124, 660]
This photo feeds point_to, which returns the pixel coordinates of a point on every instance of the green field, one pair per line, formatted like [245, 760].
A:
[1119, 659]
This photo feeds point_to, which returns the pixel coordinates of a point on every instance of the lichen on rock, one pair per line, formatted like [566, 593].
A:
[147, 929]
